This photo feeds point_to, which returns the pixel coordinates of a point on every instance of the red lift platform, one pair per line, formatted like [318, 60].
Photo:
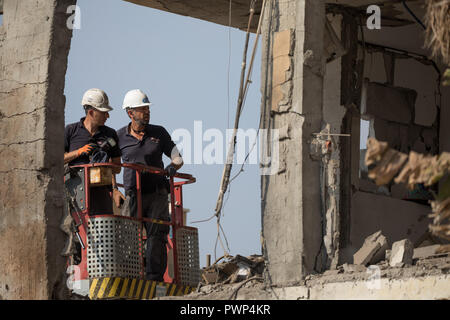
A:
[112, 246]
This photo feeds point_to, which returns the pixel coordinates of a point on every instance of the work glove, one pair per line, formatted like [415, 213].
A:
[86, 150]
[171, 171]
[118, 197]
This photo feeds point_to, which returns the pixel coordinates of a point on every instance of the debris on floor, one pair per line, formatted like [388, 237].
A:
[233, 270]
[353, 268]
[372, 251]
[401, 253]
[375, 251]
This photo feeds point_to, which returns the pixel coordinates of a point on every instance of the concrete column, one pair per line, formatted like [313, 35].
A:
[292, 98]
[33, 60]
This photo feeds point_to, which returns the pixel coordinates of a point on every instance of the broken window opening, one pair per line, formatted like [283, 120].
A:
[400, 108]
[192, 163]
[364, 135]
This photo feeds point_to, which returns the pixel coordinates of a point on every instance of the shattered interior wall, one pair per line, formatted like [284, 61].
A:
[33, 59]
[401, 99]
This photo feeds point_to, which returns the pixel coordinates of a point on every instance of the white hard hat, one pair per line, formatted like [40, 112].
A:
[135, 99]
[97, 99]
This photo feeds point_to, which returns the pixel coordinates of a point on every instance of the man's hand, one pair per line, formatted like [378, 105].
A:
[86, 150]
[170, 169]
[117, 197]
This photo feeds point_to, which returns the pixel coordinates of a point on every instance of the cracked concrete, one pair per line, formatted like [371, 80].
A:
[34, 47]
[292, 235]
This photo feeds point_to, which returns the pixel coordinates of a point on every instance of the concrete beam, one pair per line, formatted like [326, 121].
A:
[216, 11]
[33, 63]
[291, 202]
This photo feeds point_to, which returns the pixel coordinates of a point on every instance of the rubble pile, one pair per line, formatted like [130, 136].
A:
[375, 250]
[234, 270]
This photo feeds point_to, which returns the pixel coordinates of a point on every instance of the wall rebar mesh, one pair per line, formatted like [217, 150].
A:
[188, 256]
[114, 247]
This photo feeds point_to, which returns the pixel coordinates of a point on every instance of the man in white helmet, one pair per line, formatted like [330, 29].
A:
[144, 143]
[88, 137]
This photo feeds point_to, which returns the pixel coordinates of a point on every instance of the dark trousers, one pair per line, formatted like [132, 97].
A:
[154, 205]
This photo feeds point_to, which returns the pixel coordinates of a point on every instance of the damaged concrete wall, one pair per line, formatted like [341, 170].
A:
[397, 219]
[291, 210]
[402, 106]
[33, 57]
[403, 100]
[333, 114]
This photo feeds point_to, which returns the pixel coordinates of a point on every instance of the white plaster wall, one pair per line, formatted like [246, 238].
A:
[423, 288]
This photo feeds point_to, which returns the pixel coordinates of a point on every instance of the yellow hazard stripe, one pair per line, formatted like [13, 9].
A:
[92, 288]
[132, 288]
[133, 284]
[147, 284]
[186, 291]
[102, 289]
[124, 288]
[138, 291]
[152, 290]
[112, 292]
[173, 290]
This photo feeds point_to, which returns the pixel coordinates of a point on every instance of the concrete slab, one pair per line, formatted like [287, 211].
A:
[213, 11]
[372, 251]
[401, 253]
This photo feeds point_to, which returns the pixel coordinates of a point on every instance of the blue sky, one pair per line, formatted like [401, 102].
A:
[182, 64]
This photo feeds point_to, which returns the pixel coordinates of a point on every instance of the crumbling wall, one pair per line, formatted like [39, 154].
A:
[333, 115]
[407, 108]
[403, 110]
[292, 84]
[33, 57]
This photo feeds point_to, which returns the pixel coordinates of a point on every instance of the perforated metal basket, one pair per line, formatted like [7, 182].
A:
[188, 256]
[114, 247]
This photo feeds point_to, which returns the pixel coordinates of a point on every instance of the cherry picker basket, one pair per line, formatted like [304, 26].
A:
[112, 255]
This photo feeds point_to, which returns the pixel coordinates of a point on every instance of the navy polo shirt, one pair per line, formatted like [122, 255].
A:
[77, 136]
[148, 151]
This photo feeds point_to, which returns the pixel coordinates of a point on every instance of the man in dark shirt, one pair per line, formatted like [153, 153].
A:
[88, 136]
[143, 143]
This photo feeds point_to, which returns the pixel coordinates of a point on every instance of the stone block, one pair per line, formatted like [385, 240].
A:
[366, 253]
[372, 251]
[402, 253]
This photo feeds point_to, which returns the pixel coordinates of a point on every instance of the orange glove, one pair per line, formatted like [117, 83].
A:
[86, 150]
